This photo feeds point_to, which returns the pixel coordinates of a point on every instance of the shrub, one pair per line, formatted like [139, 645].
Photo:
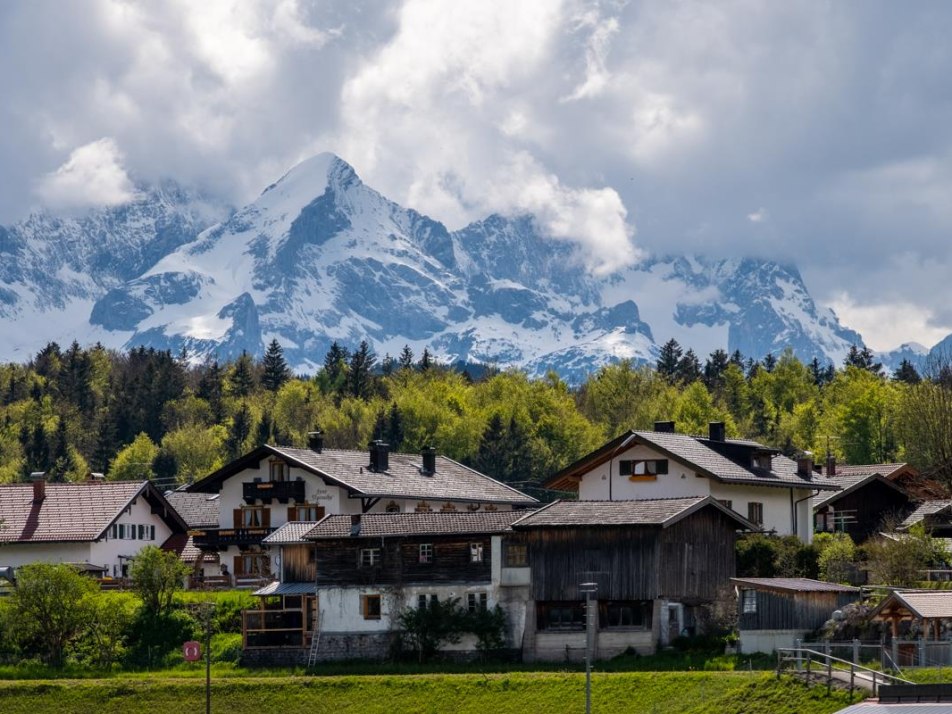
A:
[154, 635]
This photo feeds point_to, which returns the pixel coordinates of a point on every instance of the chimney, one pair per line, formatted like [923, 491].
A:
[429, 461]
[315, 440]
[664, 427]
[716, 430]
[830, 464]
[805, 465]
[95, 477]
[379, 456]
[39, 485]
[355, 525]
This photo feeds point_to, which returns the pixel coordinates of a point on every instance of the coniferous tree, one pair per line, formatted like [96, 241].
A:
[210, 389]
[668, 360]
[737, 359]
[380, 426]
[275, 371]
[770, 362]
[165, 468]
[907, 373]
[714, 369]
[689, 368]
[240, 431]
[862, 359]
[395, 431]
[492, 458]
[105, 447]
[360, 376]
[61, 461]
[242, 377]
[406, 358]
[264, 434]
[334, 374]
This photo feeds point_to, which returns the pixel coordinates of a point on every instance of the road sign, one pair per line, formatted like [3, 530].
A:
[192, 651]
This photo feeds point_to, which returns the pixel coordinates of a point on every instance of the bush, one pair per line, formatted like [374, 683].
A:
[226, 648]
[769, 556]
[153, 636]
[837, 557]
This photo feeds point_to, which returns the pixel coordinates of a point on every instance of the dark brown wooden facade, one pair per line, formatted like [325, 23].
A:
[297, 564]
[787, 610]
[339, 561]
[686, 562]
[862, 512]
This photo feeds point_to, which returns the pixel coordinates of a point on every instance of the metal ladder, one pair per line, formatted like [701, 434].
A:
[315, 641]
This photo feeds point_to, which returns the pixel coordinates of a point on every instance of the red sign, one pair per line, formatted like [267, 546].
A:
[192, 651]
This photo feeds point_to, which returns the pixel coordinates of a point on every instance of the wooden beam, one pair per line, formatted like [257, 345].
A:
[367, 503]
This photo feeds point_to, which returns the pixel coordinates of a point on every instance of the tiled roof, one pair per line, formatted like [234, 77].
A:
[182, 545]
[924, 604]
[403, 479]
[924, 509]
[279, 588]
[402, 524]
[290, 533]
[199, 510]
[850, 483]
[802, 585]
[866, 469]
[69, 512]
[644, 512]
[696, 453]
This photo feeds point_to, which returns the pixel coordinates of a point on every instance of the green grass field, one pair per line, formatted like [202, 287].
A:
[511, 693]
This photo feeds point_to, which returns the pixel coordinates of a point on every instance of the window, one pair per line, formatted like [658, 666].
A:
[476, 601]
[279, 471]
[633, 614]
[423, 599]
[516, 555]
[426, 553]
[561, 615]
[647, 469]
[256, 517]
[252, 564]
[726, 502]
[370, 606]
[475, 552]
[369, 557]
[749, 601]
[305, 512]
[755, 513]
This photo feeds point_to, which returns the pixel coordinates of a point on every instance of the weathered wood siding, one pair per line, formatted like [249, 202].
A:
[791, 610]
[697, 557]
[870, 505]
[297, 564]
[687, 561]
[338, 561]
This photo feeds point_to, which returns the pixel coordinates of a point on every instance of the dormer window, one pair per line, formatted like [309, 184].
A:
[279, 471]
[763, 461]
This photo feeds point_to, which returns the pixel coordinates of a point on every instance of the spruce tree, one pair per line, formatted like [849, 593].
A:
[492, 458]
[61, 461]
[770, 362]
[395, 431]
[239, 432]
[907, 373]
[211, 390]
[360, 377]
[668, 360]
[380, 426]
[274, 369]
[242, 377]
[334, 374]
[714, 369]
[406, 358]
[689, 368]
[264, 433]
[426, 360]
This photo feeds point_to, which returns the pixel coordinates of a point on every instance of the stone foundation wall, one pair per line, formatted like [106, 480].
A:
[275, 657]
[336, 646]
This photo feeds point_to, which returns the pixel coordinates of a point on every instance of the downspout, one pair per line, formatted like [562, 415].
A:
[793, 508]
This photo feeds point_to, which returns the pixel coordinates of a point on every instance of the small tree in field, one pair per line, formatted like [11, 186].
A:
[427, 628]
[156, 575]
[50, 608]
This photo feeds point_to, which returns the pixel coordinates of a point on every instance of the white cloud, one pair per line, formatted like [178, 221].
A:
[92, 176]
[758, 216]
[884, 326]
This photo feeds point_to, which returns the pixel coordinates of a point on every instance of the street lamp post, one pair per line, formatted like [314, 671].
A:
[589, 589]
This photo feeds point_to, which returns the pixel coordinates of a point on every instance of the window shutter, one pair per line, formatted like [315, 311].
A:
[320, 512]
[265, 517]
[237, 514]
[662, 467]
[239, 565]
[151, 532]
[292, 513]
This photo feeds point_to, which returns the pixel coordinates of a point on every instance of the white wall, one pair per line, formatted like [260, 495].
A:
[679, 482]
[16, 554]
[113, 552]
[778, 506]
[768, 641]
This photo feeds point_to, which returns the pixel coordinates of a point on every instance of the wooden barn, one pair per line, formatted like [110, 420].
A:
[865, 502]
[775, 612]
[654, 563]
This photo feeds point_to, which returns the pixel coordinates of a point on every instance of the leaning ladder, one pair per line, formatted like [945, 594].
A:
[315, 642]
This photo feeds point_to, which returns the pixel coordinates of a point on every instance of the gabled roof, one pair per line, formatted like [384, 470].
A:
[291, 533]
[925, 509]
[886, 470]
[662, 512]
[404, 478]
[200, 510]
[800, 585]
[697, 454]
[924, 604]
[414, 524]
[79, 511]
[852, 483]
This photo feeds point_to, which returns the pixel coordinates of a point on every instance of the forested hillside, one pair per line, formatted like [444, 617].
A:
[148, 413]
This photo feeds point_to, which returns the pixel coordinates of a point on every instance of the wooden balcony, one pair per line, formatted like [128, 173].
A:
[268, 491]
[275, 627]
[221, 538]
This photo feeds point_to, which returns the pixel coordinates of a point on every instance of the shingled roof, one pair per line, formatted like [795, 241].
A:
[290, 533]
[850, 483]
[697, 454]
[644, 512]
[404, 478]
[73, 511]
[408, 524]
[200, 510]
[800, 585]
[920, 604]
[924, 510]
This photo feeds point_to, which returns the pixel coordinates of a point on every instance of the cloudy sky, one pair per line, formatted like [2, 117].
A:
[818, 132]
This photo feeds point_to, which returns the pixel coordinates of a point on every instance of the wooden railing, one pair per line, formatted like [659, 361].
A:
[811, 663]
[219, 539]
[267, 491]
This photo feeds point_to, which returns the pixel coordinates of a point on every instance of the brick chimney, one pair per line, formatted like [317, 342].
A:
[716, 431]
[805, 465]
[39, 485]
[664, 427]
[315, 440]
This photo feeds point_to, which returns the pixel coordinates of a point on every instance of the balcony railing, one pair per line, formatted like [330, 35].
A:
[273, 628]
[268, 491]
[222, 538]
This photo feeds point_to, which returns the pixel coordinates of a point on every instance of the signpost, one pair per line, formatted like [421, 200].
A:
[589, 589]
[192, 650]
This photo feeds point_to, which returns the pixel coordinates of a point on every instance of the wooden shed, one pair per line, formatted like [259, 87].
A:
[775, 612]
[860, 508]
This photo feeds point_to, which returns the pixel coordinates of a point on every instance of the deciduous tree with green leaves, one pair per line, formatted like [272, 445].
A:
[156, 576]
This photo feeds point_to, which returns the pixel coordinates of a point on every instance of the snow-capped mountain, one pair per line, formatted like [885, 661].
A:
[320, 256]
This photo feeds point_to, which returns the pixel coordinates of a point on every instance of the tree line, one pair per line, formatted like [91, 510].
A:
[147, 413]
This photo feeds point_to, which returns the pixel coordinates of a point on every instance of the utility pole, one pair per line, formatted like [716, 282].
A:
[205, 612]
[589, 589]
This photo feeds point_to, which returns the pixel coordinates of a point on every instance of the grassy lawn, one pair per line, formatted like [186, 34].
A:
[510, 693]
